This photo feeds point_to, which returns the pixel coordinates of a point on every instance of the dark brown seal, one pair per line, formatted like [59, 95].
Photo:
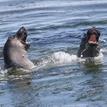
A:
[89, 46]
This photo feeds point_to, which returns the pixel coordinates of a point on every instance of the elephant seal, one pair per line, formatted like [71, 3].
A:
[15, 51]
[89, 46]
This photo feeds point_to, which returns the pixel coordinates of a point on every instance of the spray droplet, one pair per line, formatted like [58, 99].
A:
[81, 56]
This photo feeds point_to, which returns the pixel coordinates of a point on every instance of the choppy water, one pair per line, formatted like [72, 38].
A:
[55, 29]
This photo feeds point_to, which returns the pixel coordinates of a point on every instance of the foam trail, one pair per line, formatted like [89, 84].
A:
[56, 59]
[104, 50]
[63, 58]
[2, 74]
[100, 57]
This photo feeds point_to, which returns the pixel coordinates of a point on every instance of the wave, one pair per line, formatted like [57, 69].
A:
[61, 58]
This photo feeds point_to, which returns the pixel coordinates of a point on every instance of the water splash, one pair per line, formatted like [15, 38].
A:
[63, 58]
[58, 59]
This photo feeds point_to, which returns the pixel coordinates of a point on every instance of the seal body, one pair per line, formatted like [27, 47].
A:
[15, 51]
[89, 46]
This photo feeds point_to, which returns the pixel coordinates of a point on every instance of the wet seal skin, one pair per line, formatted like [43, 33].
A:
[89, 46]
[15, 51]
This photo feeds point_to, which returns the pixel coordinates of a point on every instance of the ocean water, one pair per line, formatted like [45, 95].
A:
[55, 29]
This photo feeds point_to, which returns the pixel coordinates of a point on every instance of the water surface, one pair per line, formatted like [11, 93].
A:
[55, 29]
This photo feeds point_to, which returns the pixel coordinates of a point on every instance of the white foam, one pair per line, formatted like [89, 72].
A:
[104, 50]
[63, 57]
[99, 58]
[56, 59]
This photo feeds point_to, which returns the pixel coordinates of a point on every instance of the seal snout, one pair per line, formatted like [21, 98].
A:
[93, 36]
[22, 34]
